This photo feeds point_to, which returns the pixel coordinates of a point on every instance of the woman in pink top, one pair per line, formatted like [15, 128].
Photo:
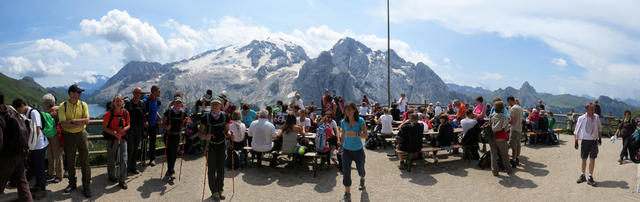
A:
[480, 110]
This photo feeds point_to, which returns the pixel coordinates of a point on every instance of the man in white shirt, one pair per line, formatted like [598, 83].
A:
[386, 121]
[37, 155]
[403, 103]
[303, 120]
[298, 101]
[438, 109]
[589, 130]
[263, 133]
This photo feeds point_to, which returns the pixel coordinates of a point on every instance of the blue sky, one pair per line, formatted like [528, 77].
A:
[577, 47]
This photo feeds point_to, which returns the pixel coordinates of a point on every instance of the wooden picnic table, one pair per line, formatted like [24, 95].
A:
[431, 132]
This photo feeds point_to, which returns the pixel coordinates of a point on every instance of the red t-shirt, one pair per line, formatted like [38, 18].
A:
[115, 123]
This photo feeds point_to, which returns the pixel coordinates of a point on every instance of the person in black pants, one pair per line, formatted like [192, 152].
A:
[174, 122]
[136, 109]
[152, 104]
[213, 128]
[626, 129]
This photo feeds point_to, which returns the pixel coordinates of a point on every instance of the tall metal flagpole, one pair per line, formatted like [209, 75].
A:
[388, 57]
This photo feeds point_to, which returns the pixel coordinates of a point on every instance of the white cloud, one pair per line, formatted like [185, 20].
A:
[310, 2]
[597, 36]
[446, 60]
[88, 49]
[559, 62]
[142, 40]
[21, 66]
[87, 76]
[52, 47]
[492, 76]
[113, 69]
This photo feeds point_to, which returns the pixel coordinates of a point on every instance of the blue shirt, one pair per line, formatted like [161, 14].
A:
[352, 143]
[249, 117]
[505, 112]
[153, 107]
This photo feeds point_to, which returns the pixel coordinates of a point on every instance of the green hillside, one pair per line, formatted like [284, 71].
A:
[26, 89]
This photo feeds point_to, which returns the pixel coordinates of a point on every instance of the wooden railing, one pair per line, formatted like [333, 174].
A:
[95, 137]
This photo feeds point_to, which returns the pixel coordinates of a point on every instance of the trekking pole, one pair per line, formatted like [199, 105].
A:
[182, 156]
[233, 165]
[165, 154]
[206, 162]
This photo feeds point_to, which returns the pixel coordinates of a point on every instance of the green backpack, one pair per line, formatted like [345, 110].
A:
[49, 125]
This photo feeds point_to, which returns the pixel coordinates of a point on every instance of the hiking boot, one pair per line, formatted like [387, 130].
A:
[123, 185]
[70, 188]
[517, 161]
[513, 164]
[495, 173]
[87, 192]
[56, 180]
[361, 187]
[591, 181]
[38, 193]
[216, 196]
[401, 167]
[152, 163]
[347, 197]
[620, 161]
[222, 195]
[581, 179]
[50, 177]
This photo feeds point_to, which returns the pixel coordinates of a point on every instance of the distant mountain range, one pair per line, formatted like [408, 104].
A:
[562, 103]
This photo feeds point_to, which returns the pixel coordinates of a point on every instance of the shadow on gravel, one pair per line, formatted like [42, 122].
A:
[533, 168]
[517, 182]
[419, 176]
[614, 184]
[152, 185]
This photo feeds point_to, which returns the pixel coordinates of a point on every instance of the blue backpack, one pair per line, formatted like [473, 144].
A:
[321, 138]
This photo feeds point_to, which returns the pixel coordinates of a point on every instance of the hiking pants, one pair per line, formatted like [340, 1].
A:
[347, 158]
[626, 147]
[54, 154]
[77, 142]
[215, 166]
[499, 147]
[153, 132]
[133, 140]
[36, 161]
[172, 150]
[13, 168]
[112, 157]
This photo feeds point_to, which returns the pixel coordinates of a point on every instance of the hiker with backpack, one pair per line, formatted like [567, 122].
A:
[13, 147]
[115, 125]
[152, 105]
[213, 128]
[54, 150]
[37, 152]
[136, 109]
[470, 136]
[625, 130]
[74, 117]
[353, 130]
[174, 121]
[515, 113]
[499, 146]
[410, 138]
[237, 131]
[589, 131]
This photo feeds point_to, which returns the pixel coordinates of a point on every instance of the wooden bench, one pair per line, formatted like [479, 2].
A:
[426, 150]
[527, 134]
[313, 155]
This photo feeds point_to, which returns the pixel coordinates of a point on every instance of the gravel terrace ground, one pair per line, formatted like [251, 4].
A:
[548, 173]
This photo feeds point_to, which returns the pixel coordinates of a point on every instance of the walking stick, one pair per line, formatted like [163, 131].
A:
[233, 165]
[182, 156]
[165, 154]
[206, 162]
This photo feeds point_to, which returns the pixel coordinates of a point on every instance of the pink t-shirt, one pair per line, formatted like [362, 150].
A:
[478, 110]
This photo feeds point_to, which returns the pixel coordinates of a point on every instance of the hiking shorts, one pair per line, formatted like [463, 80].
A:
[589, 148]
[515, 142]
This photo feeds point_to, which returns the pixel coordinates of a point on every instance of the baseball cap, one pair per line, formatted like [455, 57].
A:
[216, 100]
[177, 99]
[75, 88]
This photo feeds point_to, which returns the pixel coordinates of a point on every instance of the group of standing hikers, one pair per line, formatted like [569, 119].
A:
[61, 130]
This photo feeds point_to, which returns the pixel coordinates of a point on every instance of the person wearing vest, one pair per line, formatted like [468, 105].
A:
[174, 123]
[213, 129]
[152, 104]
[116, 123]
[74, 117]
[136, 109]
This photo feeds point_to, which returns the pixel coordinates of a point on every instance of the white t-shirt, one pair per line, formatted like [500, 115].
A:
[438, 110]
[363, 110]
[387, 124]
[42, 140]
[238, 129]
[467, 124]
[403, 104]
[300, 103]
[307, 122]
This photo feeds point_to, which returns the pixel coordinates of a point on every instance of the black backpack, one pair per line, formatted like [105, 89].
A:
[485, 160]
[108, 136]
[15, 133]
[372, 142]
